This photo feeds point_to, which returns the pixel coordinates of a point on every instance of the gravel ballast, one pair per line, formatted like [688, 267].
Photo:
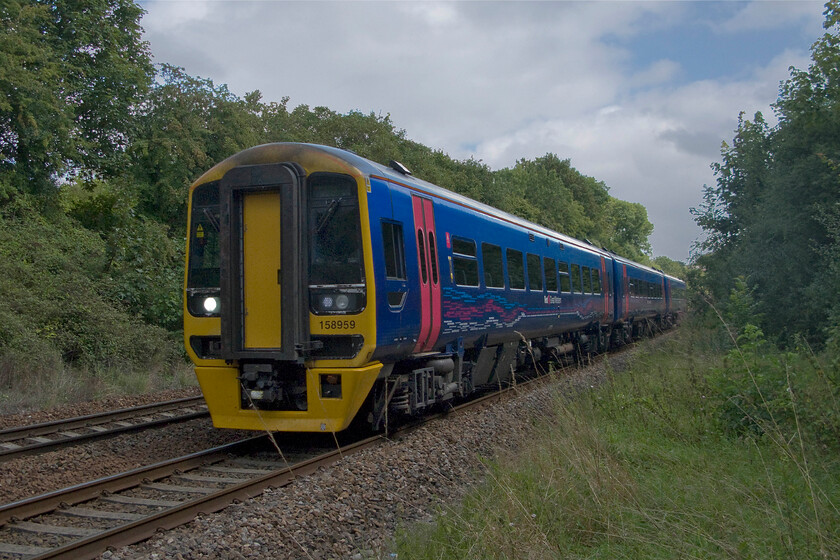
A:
[348, 510]
[351, 509]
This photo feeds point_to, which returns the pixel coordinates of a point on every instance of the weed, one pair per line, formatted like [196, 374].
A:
[646, 466]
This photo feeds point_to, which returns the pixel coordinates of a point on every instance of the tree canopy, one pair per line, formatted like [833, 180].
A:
[771, 218]
[99, 144]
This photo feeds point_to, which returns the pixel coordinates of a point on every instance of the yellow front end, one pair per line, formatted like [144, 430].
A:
[220, 379]
[221, 391]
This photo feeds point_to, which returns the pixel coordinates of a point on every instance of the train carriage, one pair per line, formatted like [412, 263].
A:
[319, 284]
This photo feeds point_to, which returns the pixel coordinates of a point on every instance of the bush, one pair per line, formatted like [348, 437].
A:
[761, 390]
[54, 305]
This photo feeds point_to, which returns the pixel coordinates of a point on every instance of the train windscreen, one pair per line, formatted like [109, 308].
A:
[203, 276]
[334, 232]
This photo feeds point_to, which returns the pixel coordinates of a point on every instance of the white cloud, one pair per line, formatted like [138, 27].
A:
[167, 15]
[764, 15]
[496, 81]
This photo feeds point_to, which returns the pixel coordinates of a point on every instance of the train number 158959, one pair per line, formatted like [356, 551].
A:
[337, 325]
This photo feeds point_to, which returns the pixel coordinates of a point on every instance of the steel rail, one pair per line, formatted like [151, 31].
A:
[136, 530]
[13, 440]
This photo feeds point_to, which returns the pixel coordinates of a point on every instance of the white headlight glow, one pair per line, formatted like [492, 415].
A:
[211, 304]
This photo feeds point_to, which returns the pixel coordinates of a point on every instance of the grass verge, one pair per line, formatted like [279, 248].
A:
[57, 384]
[644, 467]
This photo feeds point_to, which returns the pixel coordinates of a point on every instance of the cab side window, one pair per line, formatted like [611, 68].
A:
[394, 248]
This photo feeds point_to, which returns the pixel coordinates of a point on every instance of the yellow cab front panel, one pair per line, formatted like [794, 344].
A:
[241, 343]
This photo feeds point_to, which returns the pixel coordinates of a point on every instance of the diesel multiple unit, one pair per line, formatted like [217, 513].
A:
[320, 284]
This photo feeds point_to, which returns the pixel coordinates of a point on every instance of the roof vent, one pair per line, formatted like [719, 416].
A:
[398, 167]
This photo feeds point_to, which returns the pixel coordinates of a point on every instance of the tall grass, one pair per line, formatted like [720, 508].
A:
[52, 384]
[647, 467]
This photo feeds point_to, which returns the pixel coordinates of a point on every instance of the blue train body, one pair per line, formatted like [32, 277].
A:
[445, 294]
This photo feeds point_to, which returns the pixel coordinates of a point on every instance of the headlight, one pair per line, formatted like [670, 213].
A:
[337, 300]
[204, 302]
[211, 304]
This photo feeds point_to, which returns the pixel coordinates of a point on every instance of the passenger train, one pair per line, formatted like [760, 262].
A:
[321, 287]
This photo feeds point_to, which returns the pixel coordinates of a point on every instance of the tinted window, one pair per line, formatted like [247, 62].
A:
[335, 238]
[550, 275]
[494, 272]
[596, 281]
[516, 269]
[464, 263]
[433, 257]
[392, 244]
[463, 246]
[421, 245]
[565, 285]
[534, 272]
[204, 237]
[576, 278]
[587, 280]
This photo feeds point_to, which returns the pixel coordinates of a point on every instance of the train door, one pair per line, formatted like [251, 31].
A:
[262, 262]
[606, 289]
[429, 273]
[261, 266]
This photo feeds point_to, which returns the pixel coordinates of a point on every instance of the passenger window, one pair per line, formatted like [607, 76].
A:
[464, 262]
[494, 272]
[422, 247]
[576, 278]
[565, 285]
[516, 269]
[596, 281]
[433, 258]
[587, 280]
[550, 275]
[534, 273]
[392, 244]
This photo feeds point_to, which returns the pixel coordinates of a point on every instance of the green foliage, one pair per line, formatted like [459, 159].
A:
[785, 396]
[187, 125]
[670, 266]
[639, 468]
[771, 216]
[70, 74]
[52, 303]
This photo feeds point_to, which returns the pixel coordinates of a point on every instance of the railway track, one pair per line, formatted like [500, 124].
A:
[85, 520]
[39, 438]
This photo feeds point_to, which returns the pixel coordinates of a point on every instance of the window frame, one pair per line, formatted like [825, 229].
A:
[487, 263]
[471, 261]
[564, 277]
[534, 261]
[397, 245]
[521, 264]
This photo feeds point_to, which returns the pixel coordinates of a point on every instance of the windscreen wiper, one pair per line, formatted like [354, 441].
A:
[331, 210]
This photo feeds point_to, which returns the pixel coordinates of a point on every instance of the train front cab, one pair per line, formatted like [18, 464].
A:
[280, 308]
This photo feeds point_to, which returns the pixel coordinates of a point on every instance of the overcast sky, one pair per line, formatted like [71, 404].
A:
[637, 94]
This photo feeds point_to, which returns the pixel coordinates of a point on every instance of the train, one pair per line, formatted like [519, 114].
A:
[323, 289]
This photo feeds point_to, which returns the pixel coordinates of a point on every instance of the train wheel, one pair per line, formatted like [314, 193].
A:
[600, 340]
[604, 339]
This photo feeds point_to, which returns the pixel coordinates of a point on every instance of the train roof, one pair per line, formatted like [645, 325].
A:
[386, 172]
[263, 153]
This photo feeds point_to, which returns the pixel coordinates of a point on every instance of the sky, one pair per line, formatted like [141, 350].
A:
[639, 95]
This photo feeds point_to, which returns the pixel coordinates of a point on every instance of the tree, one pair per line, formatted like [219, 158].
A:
[187, 125]
[769, 218]
[71, 73]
